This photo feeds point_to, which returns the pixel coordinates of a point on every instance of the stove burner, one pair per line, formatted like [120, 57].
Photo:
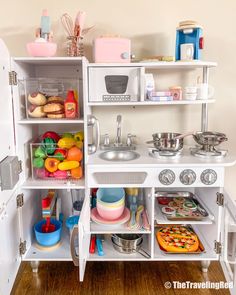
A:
[153, 152]
[208, 154]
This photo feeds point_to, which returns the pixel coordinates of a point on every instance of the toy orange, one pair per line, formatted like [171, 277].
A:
[74, 154]
[76, 172]
[51, 164]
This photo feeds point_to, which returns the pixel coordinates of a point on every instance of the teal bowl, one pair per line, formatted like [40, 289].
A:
[110, 196]
[48, 239]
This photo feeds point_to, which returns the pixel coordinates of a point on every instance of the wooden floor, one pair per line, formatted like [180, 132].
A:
[115, 278]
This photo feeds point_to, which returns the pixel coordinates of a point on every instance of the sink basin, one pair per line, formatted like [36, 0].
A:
[119, 156]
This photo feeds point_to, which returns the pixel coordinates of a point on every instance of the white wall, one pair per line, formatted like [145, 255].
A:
[151, 26]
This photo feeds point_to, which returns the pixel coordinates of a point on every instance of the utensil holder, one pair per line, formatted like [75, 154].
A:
[75, 46]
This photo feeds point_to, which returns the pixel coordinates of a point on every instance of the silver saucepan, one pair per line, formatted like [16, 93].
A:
[167, 141]
[128, 244]
[209, 138]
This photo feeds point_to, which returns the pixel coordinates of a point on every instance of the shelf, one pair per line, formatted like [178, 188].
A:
[50, 121]
[60, 253]
[50, 61]
[160, 65]
[118, 229]
[209, 253]
[110, 254]
[161, 219]
[53, 184]
[152, 103]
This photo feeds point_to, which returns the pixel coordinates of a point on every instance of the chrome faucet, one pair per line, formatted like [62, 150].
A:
[118, 141]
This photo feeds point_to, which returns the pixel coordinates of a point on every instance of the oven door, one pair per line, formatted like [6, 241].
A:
[115, 84]
[228, 234]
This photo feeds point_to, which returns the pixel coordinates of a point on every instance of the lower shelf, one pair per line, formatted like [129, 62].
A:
[58, 253]
[55, 184]
[110, 254]
[208, 254]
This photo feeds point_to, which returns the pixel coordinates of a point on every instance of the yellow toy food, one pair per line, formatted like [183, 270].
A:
[66, 142]
[68, 165]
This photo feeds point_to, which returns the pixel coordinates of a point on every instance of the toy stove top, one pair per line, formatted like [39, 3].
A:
[207, 153]
[155, 153]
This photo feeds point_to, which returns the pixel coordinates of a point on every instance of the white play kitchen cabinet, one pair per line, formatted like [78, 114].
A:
[20, 207]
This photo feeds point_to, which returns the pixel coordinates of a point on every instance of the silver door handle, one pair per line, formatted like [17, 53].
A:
[74, 255]
[93, 122]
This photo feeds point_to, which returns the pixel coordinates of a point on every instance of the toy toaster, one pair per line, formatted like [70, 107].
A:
[111, 49]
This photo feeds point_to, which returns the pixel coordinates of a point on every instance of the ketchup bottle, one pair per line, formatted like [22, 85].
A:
[70, 105]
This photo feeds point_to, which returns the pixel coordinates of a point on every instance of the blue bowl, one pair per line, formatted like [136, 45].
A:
[110, 195]
[48, 239]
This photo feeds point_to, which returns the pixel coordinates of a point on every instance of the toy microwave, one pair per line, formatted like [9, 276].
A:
[116, 84]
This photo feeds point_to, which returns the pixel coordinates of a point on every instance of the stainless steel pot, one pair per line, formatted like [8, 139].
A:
[128, 244]
[166, 141]
[209, 139]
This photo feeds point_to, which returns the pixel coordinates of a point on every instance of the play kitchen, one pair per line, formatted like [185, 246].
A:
[123, 199]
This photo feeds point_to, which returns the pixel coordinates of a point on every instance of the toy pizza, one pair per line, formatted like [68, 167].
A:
[179, 239]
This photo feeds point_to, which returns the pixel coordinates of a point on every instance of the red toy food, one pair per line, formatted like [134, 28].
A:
[51, 134]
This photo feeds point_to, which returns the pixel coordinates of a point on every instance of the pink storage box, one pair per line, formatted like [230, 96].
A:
[111, 49]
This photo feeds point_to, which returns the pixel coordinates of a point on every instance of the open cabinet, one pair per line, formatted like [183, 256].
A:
[20, 206]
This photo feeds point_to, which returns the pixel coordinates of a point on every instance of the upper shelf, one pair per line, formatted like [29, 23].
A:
[54, 61]
[50, 121]
[160, 65]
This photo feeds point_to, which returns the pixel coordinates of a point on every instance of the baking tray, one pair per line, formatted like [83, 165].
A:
[201, 248]
[182, 213]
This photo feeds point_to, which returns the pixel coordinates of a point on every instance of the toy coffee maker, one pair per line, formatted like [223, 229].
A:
[189, 41]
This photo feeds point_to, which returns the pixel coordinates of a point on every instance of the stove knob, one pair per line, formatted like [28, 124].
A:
[167, 177]
[208, 176]
[187, 177]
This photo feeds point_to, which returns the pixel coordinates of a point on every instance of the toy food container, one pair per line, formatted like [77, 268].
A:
[111, 49]
[46, 98]
[57, 157]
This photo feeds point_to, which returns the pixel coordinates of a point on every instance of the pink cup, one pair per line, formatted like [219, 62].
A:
[110, 213]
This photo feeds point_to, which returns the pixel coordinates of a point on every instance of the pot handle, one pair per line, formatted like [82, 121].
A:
[143, 253]
[74, 255]
[151, 141]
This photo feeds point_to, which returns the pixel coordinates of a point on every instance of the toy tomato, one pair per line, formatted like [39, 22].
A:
[74, 154]
[68, 165]
[66, 143]
[76, 172]
[60, 154]
[51, 134]
[49, 145]
[51, 164]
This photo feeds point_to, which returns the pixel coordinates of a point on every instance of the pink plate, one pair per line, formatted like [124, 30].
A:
[98, 219]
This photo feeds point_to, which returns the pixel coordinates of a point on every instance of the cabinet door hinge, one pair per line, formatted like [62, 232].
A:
[218, 247]
[12, 78]
[19, 201]
[22, 248]
[219, 199]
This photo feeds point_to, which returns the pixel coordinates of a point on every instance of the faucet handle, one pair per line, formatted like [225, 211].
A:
[106, 139]
[129, 141]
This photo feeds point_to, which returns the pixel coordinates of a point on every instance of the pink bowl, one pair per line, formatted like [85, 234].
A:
[110, 213]
[38, 49]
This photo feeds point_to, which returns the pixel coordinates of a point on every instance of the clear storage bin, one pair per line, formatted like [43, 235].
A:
[56, 160]
[45, 97]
